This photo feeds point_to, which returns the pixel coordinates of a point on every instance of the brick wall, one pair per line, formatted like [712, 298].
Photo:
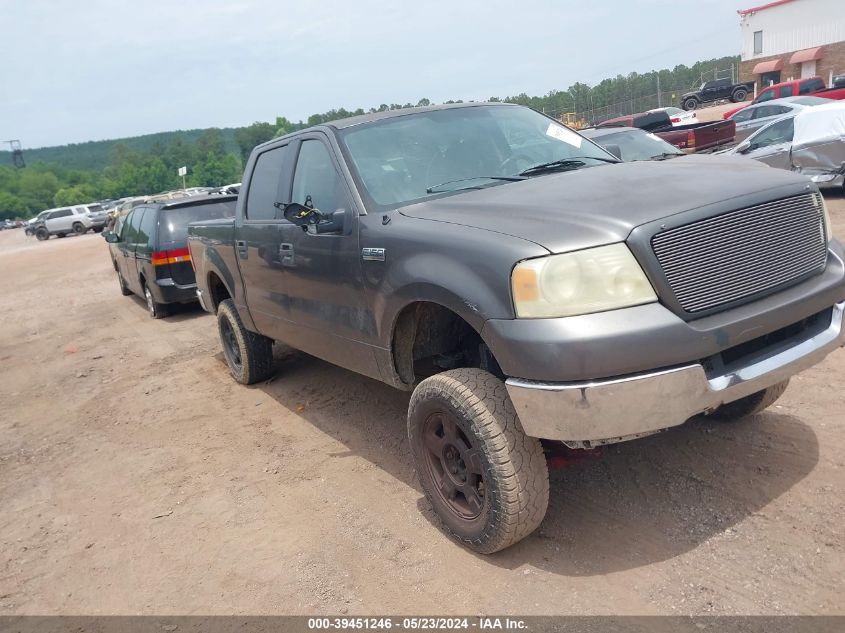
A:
[833, 59]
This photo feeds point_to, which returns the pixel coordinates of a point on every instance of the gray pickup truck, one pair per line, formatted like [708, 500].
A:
[528, 288]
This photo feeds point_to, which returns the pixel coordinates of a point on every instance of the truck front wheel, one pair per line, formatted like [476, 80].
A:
[249, 355]
[487, 481]
[749, 405]
[690, 104]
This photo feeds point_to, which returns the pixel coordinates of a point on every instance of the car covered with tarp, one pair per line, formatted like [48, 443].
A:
[811, 142]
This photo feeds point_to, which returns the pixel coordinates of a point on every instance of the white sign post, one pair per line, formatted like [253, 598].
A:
[182, 171]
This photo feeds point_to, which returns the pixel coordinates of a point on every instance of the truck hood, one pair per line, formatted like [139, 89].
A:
[602, 205]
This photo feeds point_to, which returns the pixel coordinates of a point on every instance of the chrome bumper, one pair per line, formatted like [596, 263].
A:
[606, 411]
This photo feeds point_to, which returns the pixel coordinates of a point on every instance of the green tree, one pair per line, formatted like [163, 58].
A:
[71, 195]
[257, 133]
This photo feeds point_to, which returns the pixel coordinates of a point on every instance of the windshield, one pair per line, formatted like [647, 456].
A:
[399, 159]
[638, 145]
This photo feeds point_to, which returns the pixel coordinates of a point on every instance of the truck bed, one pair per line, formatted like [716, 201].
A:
[698, 137]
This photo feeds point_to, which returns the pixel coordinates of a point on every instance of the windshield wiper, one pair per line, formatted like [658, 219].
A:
[564, 163]
[432, 188]
[665, 155]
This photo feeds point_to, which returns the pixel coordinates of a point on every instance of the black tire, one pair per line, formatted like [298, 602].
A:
[79, 228]
[487, 481]
[98, 229]
[123, 289]
[749, 405]
[690, 104]
[156, 310]
[249, 355]
[739, 95]
[42, 235]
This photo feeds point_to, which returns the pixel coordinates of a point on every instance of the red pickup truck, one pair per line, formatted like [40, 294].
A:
[695, 137]
[807, 86]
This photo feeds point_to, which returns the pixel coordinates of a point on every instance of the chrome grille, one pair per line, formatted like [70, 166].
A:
[726, 258]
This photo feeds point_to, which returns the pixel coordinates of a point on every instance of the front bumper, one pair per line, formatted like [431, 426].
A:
[595, 412]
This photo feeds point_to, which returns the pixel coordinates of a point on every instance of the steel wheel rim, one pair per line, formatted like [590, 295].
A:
[230, 343]
[150, 304]
[454, 466]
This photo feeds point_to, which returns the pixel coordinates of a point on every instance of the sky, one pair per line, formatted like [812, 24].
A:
[74, 71]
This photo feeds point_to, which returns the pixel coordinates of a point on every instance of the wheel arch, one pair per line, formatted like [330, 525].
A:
[427, 337]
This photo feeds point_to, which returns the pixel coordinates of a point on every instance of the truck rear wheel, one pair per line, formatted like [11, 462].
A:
[749, 405]
[249, 355]
[739, 95]
[487, 481]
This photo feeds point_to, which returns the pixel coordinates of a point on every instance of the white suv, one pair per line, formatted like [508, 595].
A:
[66, 220]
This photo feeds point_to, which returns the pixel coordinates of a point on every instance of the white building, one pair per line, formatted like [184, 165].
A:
[788, 39]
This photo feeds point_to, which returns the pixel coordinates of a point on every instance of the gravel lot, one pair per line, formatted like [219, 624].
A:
[137, 477]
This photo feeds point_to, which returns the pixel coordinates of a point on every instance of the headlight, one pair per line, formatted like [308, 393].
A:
[828, 227]
[592, 280]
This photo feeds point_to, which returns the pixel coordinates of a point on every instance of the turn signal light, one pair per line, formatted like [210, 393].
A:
[176, 256]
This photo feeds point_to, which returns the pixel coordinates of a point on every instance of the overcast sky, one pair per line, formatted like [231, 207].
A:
[97, 69]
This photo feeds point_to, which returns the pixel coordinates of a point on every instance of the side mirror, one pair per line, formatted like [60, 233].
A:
[614, 149]
[299, 214]
[743, 147]
[111, 237]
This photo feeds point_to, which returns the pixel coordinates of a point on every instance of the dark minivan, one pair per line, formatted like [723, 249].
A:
[149, 250]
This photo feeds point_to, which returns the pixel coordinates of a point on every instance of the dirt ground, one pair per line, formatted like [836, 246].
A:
[137, 477]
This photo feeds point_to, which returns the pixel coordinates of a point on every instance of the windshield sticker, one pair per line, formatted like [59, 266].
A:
[563, 134]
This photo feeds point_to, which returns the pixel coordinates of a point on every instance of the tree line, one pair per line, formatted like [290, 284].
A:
[85, 172]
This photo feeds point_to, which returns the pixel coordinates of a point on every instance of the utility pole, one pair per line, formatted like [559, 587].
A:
[659, 98]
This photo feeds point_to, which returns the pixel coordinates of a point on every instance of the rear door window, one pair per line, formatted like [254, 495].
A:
[264, 185]
[810, 86]
[147, 227]
[173, 226]
[786, 91]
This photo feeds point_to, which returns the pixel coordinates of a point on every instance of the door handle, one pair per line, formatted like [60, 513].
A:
[243, 251]
[286, 253]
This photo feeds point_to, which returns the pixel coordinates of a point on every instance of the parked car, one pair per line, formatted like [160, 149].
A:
[695, 137]
[526, 286]
[64, 221]
[810, 142]
[149, 252]
[717, 90]
[630, 143]
[750, 119]
[678, 116]
[793, 88]
[7, 224]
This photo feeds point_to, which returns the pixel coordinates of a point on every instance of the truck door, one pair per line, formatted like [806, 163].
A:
[324, 285]
[259, 235]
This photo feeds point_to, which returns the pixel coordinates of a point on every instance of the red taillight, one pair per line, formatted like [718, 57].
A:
[676, 119]
[160, 258]
[690, 139]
